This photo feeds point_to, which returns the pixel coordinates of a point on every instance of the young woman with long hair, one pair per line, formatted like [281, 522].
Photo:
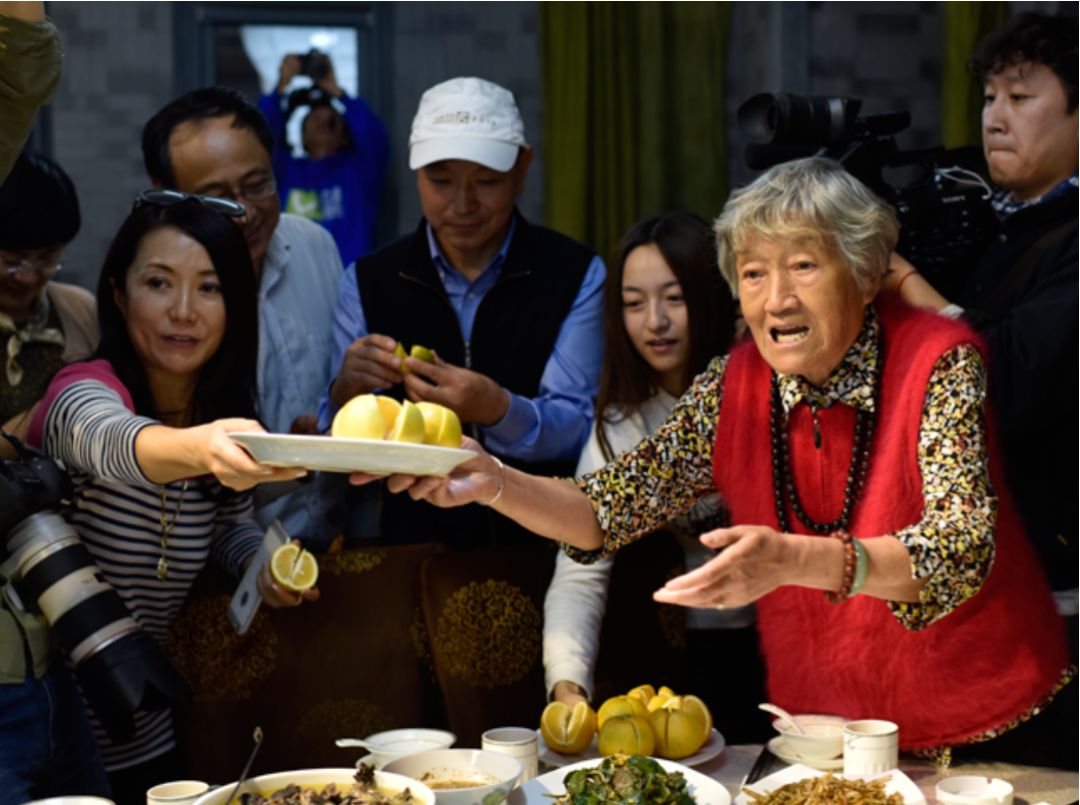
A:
[667, 313]
[143, 431]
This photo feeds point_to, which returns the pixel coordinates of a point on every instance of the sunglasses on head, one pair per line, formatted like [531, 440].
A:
[166, 198]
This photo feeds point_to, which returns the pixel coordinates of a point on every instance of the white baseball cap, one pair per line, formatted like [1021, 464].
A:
[470, 119]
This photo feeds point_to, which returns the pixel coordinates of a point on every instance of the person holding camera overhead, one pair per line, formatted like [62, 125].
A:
[143, 431]
[340, 181]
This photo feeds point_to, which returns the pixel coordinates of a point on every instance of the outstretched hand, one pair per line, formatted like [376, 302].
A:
[753, 561]
[229, 462]
[474, 481]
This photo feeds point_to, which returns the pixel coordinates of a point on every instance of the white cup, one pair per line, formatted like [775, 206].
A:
[870, 747]
[179, 792]
[518, 742]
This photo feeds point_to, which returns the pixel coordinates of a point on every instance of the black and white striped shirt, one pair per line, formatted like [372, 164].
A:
[117, 511]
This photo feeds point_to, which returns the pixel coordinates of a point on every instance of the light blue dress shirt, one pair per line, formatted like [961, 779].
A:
[297, 291]
[551, 426]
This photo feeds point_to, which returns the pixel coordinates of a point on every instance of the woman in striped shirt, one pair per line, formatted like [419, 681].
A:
[142, 430]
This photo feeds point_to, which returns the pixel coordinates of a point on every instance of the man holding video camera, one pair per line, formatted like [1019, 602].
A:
[1023, 295]
[339, 181]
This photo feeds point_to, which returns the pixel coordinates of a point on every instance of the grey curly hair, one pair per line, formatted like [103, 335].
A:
[816, 197]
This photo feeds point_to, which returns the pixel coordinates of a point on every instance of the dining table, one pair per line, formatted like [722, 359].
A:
[1031, 784]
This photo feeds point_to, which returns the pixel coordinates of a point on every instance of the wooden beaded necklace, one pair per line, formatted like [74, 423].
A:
[784, 489]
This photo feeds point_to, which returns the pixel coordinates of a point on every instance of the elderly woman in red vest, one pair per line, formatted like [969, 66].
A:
[891, 574]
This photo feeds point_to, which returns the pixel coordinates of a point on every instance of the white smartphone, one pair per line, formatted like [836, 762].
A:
[246, 600]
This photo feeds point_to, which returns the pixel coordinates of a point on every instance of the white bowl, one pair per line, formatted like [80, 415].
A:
[824, 738]
[501, 770]
[394, 744]
[272, 782]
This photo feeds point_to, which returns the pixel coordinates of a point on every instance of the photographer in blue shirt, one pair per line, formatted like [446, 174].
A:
[339, 182]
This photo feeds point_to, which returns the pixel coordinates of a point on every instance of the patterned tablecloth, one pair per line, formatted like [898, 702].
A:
[1032, 784]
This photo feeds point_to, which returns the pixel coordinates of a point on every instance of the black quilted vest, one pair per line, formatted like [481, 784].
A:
[514, 334]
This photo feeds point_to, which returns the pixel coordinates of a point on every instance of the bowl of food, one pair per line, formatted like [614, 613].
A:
[393, 744]
[377, 787]
[822, 738]
[461, 776]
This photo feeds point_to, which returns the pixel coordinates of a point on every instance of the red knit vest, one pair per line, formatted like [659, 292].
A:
[987, 662]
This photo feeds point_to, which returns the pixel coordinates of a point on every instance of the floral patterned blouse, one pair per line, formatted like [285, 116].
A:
[952, 546]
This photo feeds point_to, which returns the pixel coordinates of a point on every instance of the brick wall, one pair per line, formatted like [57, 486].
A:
[118, 70]
[436, 41]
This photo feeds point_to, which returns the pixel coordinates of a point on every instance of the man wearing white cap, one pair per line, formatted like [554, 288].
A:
[512, 310]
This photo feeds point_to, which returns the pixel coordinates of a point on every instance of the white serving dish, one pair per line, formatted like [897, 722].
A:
[896, 782]
[824, 738]
[393, 744]
[779, 747]
[540, 790]
[502, 770]
[272, 782]
[336, 454]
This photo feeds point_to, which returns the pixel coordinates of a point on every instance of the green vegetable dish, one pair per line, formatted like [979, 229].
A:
[633, 779]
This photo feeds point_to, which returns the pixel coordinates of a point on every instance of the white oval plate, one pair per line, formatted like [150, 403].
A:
[712, 749]
[538, 791]
[335, 454]
[896, 783]
[778, 746]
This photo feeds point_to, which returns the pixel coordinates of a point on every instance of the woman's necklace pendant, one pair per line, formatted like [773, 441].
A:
[162, 568]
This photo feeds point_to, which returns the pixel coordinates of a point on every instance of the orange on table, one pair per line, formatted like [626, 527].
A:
[627, 735]
[620, 706]
[679, 733]
[568, 730]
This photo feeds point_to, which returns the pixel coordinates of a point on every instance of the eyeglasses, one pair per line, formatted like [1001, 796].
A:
[167, 198]
[256, 191]
[46, 266]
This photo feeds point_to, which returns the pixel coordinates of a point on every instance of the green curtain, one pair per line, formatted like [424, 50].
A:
[633, 113]
[961, 94]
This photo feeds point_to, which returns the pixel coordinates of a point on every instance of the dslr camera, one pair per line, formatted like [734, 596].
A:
[119, 667]
[314, 64]
[944, 216]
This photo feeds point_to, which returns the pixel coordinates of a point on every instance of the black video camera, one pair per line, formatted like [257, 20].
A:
[944, 216]
[120, 668]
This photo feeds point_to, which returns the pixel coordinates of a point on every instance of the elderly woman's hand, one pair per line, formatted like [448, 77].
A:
[228, 461]
[754, 561]
[477, 480]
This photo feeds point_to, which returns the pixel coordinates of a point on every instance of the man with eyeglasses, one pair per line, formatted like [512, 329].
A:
[43, 324]
[213, 142]
[47, 747]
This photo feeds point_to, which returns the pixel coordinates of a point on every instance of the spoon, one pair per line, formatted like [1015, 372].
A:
[345, 743]
[256, 736]
[784, 714]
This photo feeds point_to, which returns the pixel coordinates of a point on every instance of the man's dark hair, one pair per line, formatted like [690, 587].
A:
[195, 107]
[38, 205]
[1031, 37]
